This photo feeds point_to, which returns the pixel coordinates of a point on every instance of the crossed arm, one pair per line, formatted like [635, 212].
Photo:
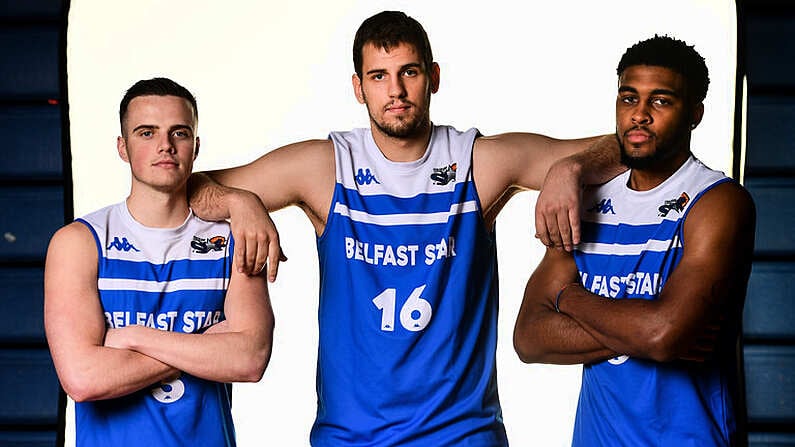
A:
[704, 291]
[95, 364]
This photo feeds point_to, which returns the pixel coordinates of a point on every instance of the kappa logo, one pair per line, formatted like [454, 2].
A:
[674, 205]
[121, 245]
[365, 177]
[604, 206]
[206, 245]
[444, 175]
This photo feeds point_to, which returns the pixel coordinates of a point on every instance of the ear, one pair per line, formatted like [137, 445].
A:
[434, 77]
[121, 146]
[698, 113]
[357, 88]
[196, 149]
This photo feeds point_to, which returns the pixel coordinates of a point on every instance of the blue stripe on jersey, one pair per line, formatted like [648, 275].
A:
[627, 234]
[618, 264]
[173, 270]
[385, 204]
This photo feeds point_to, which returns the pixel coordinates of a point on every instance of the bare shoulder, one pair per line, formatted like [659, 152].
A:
[310, 165]
[302, 174]
[512, 142]
[725, 214]
[728, 198]
[74, 238]
[302, 160]
[289, 175]
[316, 152]
[70, 271]
[320, 150]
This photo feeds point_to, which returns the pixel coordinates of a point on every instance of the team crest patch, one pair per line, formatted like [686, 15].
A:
[206, 245]
[674, 205]
[444, 175]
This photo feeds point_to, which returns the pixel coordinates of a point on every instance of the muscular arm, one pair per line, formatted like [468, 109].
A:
[709, 281]
[75, 325]
[508, 163]
[298, 174]
[541, 334]
[239, 353]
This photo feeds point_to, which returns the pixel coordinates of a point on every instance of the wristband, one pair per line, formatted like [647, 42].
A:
[560, 293]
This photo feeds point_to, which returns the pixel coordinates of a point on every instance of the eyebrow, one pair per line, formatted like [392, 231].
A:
[153, 126]
[402, 68]
[145, 126]
[180, 126]
[657, 91]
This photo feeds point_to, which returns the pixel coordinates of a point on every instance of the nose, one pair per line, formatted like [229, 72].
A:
[396, 87]
[166, 144]
[641, 115]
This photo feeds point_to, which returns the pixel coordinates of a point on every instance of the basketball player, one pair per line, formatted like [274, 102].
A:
[144, 314]
[652, 298]
[404, 213]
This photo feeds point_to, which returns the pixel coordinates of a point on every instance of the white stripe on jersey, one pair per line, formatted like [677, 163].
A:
[652, 245]
[406, 219]
[162, 286]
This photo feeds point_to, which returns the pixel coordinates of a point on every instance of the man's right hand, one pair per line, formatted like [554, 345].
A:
[256, 238]
[557, 212]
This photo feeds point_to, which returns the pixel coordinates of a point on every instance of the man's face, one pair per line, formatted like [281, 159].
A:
[654, 117]
[396, 87]
[159, 141]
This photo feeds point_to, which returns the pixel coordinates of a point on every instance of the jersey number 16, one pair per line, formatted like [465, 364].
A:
[414, 315]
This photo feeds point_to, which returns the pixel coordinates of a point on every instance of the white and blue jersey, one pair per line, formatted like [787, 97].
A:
[172, 280]
[408, 301]
[631, 242]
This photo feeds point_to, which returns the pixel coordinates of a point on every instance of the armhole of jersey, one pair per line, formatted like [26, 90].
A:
[695, 200]
[491, 235]
[471, 172]
[334, 195]
[96, 237]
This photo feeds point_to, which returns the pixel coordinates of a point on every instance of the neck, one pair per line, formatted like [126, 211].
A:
[159, 209]
[649, 178]
[403, 149]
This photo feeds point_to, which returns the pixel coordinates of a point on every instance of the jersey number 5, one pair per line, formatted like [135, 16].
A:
[414, 315]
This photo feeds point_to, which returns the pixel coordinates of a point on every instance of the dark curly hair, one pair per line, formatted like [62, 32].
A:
[674, 54]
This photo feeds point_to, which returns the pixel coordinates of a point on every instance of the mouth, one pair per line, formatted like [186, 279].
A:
[398, 107]
[638, 136]
[166, 163]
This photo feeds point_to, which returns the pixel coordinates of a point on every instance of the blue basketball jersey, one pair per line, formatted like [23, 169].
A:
[408, 301]
[172, 280]
[631, 242]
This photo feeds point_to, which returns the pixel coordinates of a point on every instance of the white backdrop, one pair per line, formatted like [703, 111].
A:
[267, 73]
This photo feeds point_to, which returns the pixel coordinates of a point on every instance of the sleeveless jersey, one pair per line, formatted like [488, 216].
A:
[631, 242]
[173, 280]
[408, 301]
